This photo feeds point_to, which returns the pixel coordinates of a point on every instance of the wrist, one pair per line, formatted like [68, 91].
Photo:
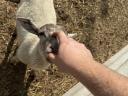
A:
[83, 67]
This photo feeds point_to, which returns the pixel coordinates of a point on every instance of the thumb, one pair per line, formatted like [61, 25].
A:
[51, 57]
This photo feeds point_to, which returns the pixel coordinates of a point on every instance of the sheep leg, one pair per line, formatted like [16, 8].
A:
[14, 1]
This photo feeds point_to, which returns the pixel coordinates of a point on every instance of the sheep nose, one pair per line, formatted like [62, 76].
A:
[54, 45]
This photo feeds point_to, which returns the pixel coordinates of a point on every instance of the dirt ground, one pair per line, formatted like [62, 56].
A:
[101, 25]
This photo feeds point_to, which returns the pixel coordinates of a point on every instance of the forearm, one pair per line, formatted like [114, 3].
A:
[101, 81]
[75, 58]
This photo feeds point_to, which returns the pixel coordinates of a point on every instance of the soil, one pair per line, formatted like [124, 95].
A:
[100, 24]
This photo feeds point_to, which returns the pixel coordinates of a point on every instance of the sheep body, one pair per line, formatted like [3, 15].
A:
[40, 12]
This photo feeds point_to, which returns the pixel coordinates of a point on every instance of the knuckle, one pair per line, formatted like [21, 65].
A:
[82, 45]
[70, 39]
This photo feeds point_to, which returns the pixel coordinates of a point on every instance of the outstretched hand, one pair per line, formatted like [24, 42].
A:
[71, 54]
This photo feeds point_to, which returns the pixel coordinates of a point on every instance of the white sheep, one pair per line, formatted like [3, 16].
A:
[36, 19]
[31, 16]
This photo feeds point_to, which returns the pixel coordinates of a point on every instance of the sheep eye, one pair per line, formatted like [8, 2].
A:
[42, 33]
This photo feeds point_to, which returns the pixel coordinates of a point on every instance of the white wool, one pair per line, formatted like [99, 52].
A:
[40, 12]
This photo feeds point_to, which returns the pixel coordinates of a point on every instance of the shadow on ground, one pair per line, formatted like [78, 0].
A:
[12, 76]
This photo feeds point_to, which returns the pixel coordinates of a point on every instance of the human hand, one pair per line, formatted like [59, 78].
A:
[71, 54]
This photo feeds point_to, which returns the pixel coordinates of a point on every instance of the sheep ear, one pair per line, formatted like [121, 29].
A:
[28, 25]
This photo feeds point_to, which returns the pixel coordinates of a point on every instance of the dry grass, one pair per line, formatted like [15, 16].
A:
[101, 25]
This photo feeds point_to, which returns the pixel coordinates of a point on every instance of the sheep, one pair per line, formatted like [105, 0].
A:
[35, 20]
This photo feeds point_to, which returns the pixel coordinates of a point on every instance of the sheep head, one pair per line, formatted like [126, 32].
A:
[48, 41]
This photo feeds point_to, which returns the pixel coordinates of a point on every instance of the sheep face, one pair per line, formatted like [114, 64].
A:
[48, 42]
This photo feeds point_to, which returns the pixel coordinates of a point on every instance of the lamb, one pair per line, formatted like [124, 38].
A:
[35, 20]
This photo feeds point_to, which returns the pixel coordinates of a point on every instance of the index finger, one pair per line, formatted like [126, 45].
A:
[61, 36]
